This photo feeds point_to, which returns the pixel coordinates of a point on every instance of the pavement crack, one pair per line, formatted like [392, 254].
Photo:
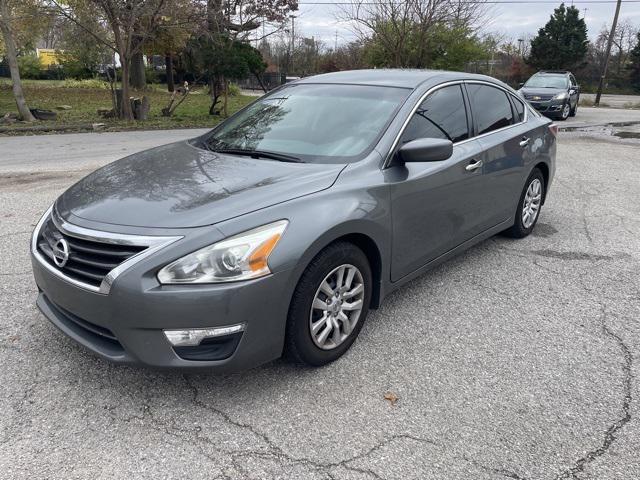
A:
[571, 255]
[587, 231]
[498, 471]
[610, 435]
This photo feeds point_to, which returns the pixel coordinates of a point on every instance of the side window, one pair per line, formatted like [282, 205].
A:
[441, 115]
[519, 109]
[573, 80]
[490, 106]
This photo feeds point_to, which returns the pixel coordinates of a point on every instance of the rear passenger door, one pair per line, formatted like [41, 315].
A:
[574, 91]
[502, 132]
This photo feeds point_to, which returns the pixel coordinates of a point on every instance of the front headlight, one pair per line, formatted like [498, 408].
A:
[561, 96]
[240, 257]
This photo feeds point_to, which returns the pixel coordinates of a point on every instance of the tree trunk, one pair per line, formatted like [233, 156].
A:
[214, 90]
[138, 74]
[12, 60]
[168, 61]
[259, 78]
[126, 112]
[226, 97]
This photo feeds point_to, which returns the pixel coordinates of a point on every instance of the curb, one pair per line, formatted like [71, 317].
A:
[47, 128]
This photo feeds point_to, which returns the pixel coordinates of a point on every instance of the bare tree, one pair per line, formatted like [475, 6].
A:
[624, 40]
[131, 22]
[402, 28]
[12, 59]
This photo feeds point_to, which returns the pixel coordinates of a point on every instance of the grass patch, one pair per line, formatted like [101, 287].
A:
[632, 105]
[85, 97]
[588, 102]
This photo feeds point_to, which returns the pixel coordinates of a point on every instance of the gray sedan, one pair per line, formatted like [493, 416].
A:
[277, 231]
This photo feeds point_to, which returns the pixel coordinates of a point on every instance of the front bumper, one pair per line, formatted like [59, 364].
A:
[551, 108]
[126, 325]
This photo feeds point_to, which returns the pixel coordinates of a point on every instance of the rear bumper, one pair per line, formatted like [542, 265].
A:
[126, 326]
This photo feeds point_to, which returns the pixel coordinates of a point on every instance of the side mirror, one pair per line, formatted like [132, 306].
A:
[425, 150]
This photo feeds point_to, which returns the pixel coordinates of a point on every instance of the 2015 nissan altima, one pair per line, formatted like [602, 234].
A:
[277, 231]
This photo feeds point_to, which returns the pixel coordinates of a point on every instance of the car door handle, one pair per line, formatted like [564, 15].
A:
[524, 142]
[474, 165]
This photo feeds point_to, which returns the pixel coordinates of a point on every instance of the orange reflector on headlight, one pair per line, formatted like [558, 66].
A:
[258, 260]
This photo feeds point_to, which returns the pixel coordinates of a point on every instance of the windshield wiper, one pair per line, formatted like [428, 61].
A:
[281, 157]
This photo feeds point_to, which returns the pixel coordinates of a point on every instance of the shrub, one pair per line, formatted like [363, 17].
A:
[151, 75]
[89, 83]
[73, 68]
[234, 90]
[30, 66]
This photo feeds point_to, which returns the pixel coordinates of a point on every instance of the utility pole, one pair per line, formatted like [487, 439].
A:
[293, 39]
[520, 42]
[607, 53]
[335, 46]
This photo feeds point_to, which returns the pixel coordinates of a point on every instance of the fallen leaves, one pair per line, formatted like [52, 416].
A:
[392, 398]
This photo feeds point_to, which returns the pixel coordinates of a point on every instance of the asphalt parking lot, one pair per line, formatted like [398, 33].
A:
[518, 359]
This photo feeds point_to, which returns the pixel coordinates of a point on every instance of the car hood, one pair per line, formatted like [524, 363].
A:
[181, 186]
[542, 92]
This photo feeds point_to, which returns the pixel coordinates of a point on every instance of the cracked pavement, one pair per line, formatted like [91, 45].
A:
[516, 360]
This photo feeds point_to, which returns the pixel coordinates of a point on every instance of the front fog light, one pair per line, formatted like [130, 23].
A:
[192, 337]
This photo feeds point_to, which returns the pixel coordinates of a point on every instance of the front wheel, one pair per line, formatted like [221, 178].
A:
[329, 305]
[528, 206]
[566, 111]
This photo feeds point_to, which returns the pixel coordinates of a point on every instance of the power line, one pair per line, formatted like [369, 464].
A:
[475, 2]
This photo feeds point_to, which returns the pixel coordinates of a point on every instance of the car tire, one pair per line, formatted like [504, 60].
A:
[531, 202]
[565, 112]
[317, 336]
[574, 110]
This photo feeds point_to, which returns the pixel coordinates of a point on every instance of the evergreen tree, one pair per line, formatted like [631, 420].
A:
[634, 66]
[562, 43]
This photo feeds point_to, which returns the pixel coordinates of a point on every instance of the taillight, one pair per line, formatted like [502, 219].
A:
[553, 128]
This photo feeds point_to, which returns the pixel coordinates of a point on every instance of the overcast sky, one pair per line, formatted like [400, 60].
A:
[515, 20]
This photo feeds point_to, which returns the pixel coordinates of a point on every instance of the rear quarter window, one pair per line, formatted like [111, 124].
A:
[520, 108]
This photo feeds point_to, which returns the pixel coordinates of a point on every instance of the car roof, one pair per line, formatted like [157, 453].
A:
[405, 78]
[553, 72]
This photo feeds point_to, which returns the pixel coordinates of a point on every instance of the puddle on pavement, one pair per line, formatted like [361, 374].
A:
[627, 134]
[628, 131]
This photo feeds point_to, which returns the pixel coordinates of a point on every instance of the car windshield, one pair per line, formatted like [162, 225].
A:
[547, 81]
[319, 123]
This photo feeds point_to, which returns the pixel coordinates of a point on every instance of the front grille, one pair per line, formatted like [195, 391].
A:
[541, 98]
[89, 260]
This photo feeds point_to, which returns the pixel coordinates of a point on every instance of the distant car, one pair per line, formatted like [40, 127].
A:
[555, 94]
[280, 229]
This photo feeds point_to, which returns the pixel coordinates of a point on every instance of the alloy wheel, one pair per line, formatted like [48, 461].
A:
[566, 110]
[531, 203]
[336, 307]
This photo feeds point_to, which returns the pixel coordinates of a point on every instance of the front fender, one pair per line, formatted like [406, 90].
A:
[317, 220]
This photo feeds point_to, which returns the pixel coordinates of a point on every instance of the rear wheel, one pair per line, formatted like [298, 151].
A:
[329, 305]
[529, 206]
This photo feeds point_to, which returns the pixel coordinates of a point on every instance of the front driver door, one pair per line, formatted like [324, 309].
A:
[574, 92]
[435, 205]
